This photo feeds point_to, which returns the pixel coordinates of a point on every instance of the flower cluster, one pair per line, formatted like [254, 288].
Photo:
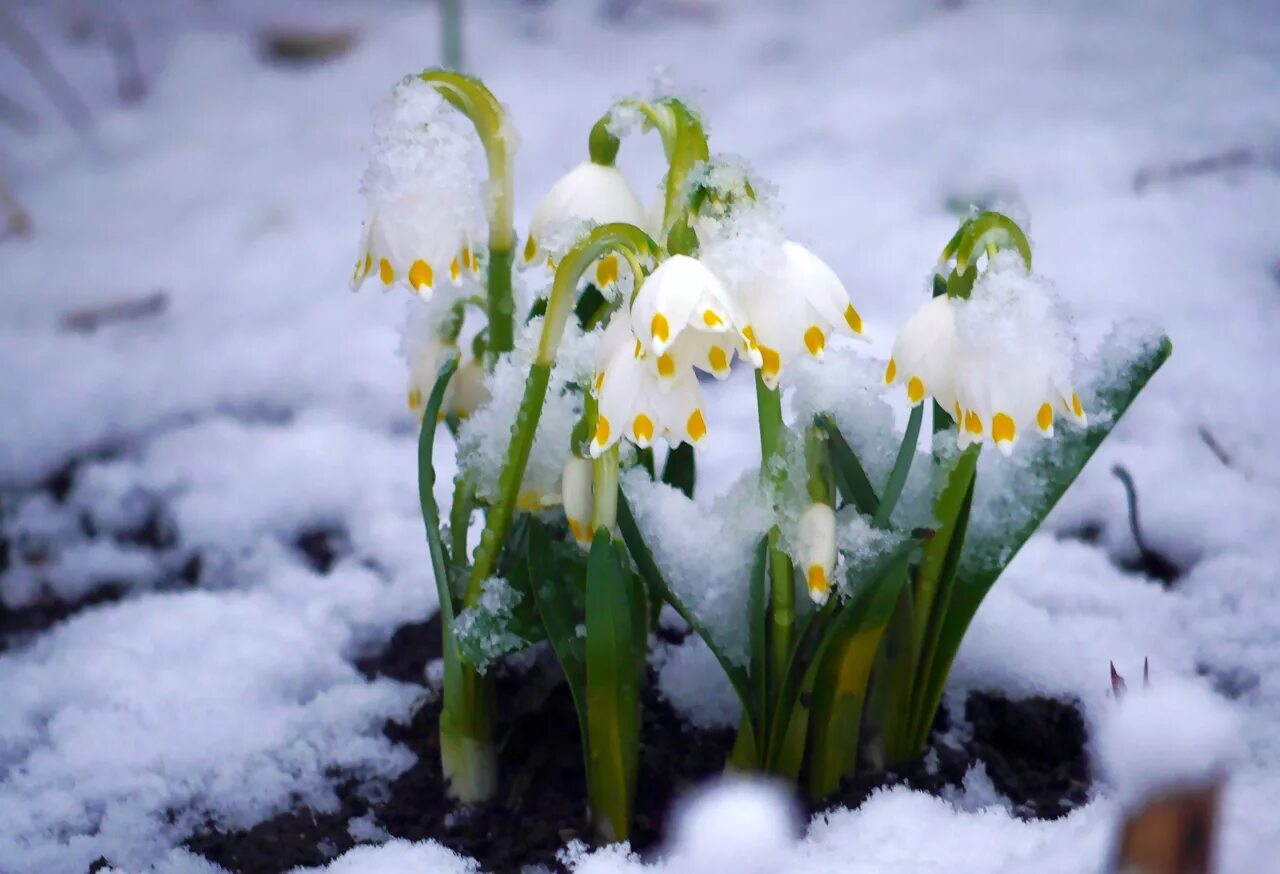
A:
[643, 304]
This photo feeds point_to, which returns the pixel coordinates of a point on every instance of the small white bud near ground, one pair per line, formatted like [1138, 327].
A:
[576, 491]
[818, 550]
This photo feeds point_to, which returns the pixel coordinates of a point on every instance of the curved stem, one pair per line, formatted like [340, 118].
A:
[470, 96]
[602, 240]
[683, 142]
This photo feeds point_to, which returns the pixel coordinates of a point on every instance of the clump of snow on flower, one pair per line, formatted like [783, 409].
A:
[1014, 321]
[1011, 492]
[705, 554]
[1174, 735]
[484, 437]
[740, 825]
[423, 165]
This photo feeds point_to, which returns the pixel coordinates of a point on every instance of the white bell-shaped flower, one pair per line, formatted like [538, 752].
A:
[924, 354]
[634, 401]
[817, 547]
[590, 193]
[425, 207]
[684, 297]
[1016, 349]
[999, 361]
[426, 341]
[575, 485]
[790, 300]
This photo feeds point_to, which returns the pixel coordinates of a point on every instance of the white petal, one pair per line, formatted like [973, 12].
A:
[669, 298]
[811, 278]
[926, 350]
[680, 411]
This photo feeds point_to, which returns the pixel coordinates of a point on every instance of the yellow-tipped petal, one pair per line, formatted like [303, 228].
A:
[852, 319]
[711, 319]
[659, 328]
[815, 341]
[455, 269]
[421, 275]
[606, 271]
[973, 422]
[891, 372]
[386, 273]
[642, 429]
[696, 426]
[718, 359]
[819, 585]
[770, 363]
[602, 431]
[1044, 418]
[1002, 429]
[666, 365]
[415, 398]
[530, 249]
[915, 390]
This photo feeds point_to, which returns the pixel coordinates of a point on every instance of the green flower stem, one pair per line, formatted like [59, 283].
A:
[632, 243]
[467, 757]
[684, 143]
[470, 96]
[782, 600]
[451, 27]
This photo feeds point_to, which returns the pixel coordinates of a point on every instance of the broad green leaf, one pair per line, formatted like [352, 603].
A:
[648, 569]
[431, 518]
[556, 579]
[616, 635]
[870, 604]
[851, 478]
[1059, 463]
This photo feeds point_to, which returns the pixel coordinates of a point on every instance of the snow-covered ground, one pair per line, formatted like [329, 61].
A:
[266, 401]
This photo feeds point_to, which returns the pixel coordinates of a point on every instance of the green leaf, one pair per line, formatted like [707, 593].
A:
[556, 580]
[649, 570]
[431, 515]
[680, 469]
[616, 638]
[852, 480]
[871, 604]
[1061, 460]
[901, 467]
[758, 613]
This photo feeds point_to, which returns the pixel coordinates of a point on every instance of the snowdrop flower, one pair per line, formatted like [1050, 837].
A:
[818, 549]
[575, 486]
[635, 401]
[999, 361]
[791, 303]
[426, 341]
[425, 212]
[924, 354]
[684, 317]
[589, 193]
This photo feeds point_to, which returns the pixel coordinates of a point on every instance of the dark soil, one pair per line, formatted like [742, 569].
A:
[1033, 750]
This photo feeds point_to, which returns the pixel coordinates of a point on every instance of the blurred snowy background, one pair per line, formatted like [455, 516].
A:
[188, 391]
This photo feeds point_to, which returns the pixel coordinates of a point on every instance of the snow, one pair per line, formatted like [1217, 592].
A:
[1176, 735]
[266, 401]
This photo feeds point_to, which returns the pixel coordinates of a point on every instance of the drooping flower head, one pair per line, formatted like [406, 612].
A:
[790, 301]
[591, 194]
[425, 213]
[997, 355]
[635, 400]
